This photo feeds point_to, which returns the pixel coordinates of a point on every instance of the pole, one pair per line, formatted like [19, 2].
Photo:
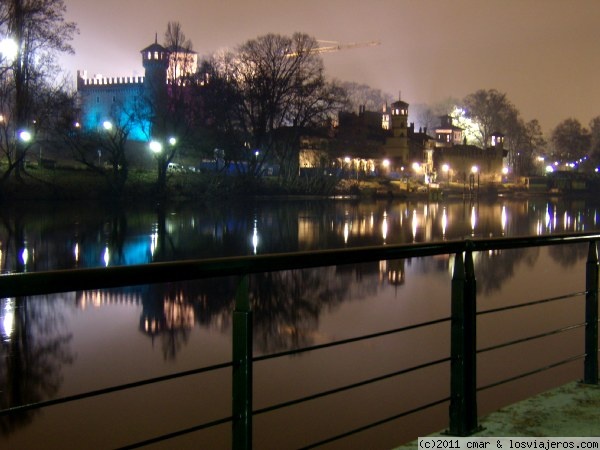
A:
[242, 369]
[591, 317]
[463, 370]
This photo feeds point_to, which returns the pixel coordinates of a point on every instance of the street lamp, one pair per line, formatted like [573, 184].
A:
[9, 49]
[155, 147]
[107, 125]
[25, 136]
[446, 170]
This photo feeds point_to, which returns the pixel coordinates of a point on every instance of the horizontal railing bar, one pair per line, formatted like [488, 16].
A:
[376, 424]
[176, 434]
[533, 372]
[534, 302]
[349, 386]
[349, 340]
[39, 283]
[112, 389]
[531, 338]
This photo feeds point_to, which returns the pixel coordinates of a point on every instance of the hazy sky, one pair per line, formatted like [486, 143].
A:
[544, 54]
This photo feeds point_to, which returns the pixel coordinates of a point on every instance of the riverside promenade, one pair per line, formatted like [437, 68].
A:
[571, 410]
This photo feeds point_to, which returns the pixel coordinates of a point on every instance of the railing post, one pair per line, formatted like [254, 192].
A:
[590, 371]
[242, 369]
[463, 369]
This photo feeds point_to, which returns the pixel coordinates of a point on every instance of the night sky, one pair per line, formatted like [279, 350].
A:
[543, 54]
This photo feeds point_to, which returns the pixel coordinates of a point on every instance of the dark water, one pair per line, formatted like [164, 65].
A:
[69, 343]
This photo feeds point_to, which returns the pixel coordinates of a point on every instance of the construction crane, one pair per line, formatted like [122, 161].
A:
[334, 46]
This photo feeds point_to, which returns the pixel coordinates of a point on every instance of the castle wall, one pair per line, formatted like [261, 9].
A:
[119, 100]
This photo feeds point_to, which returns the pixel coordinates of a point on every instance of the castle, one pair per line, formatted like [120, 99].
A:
[128, 101]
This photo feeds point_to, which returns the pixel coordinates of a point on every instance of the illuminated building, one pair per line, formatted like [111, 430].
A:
[132, 101]
[462, 160]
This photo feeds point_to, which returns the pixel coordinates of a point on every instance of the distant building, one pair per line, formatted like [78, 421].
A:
[448, 134]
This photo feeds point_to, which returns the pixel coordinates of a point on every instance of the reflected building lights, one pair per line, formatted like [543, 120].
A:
[346, 231]
[154, 239]
[7, 317]
[444, 223]
[384, 226]
[76, 252]
[25, 256]
[415, 223]
[503, 219]
[106, 256]
[473, 220]
[255, 237]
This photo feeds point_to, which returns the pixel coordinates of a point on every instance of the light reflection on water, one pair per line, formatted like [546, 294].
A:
[110, 337]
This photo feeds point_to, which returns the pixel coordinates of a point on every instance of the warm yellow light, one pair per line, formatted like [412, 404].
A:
[445, 168]
[474, 169]
[386, 163]
[505, 170]
[416, 166]
[347, 159]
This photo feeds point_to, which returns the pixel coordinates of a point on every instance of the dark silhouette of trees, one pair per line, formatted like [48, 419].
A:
[268, 84]
[570, 141]
[39, 31]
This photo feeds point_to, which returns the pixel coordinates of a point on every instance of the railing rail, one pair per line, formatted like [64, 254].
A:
[463, 417]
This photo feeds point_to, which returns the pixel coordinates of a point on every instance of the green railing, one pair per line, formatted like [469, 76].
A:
[463, 418]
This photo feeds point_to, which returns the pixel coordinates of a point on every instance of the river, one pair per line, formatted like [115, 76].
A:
[65, 344]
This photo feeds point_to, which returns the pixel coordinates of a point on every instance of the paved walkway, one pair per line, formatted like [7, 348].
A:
[570, 410]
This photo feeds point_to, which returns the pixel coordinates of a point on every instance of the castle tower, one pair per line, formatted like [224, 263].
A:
[155, 59]
[396, 146]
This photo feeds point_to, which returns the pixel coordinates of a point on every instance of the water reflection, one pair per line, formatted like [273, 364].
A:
[288, 305]
[34, 348]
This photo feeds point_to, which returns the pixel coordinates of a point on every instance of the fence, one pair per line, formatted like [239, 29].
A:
[463, 418]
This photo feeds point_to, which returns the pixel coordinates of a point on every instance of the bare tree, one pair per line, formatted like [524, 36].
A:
[39, 31]
[270, 83]
[491, 110]
[570, 141]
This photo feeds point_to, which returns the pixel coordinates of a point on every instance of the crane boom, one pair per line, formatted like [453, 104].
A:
[334, 46]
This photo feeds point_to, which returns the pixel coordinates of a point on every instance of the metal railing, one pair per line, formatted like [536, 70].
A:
[463, 418]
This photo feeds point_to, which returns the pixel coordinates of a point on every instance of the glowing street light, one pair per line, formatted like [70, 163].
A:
[155, 147]
[9, 49]
[474, 169]
[172, 141]
[446, 170]
[25, 136]
[107, 125]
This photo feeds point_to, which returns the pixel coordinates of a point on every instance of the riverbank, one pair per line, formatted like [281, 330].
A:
[70, 184]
